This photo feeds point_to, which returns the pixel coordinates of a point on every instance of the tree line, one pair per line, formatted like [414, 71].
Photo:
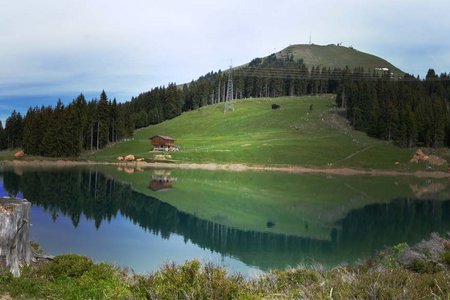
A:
[81, 125]
[67, 130]
[410, 112]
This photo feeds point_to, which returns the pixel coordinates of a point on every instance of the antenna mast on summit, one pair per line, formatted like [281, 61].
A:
[229, 105]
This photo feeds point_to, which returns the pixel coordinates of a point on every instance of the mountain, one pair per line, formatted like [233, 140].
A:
[334, 56]
[254, 133]
[295, 71]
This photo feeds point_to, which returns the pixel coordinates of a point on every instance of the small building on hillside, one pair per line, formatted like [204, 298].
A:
[163, 142]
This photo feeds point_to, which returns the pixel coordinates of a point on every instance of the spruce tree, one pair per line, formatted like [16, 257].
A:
[14, 130]
[3, 145]
[103, 121]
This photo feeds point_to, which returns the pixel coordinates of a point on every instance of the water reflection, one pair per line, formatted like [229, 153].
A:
[87, 193]
[401, 220]
[161, 181]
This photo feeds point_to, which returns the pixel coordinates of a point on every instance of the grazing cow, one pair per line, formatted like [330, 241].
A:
[275, 106]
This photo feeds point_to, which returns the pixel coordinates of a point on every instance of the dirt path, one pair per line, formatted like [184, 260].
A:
[232, 167]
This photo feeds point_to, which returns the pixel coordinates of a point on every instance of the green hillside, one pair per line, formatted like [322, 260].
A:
[306, 131]
[332, 56]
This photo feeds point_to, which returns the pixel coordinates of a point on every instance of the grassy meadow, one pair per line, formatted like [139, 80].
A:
[305, 131]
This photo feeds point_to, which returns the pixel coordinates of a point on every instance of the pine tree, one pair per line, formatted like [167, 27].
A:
[102, 121]
[31, 139]
[51, 136]
[14, 130]
[72, 134]
[114, 117]
[81, 120]
[3, 144]
[91, 134]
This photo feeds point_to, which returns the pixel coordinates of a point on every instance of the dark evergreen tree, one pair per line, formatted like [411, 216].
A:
[3, 143]
[91, 134]
[14, 130]
[409, 112]
[102, 121]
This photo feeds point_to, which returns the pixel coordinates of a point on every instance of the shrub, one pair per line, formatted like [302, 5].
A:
[445, 257]
[69, 265]
[423, 266]
[399, 248]
[103, 281]
[191, 280]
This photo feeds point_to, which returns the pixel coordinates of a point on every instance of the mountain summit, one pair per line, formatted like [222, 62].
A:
[336, 56]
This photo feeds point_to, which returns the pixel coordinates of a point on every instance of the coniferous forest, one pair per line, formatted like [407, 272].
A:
[407, 110]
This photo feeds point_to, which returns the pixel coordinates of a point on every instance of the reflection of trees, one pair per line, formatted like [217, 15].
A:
[75, 192]
[402, 220]
[72, 193]
[11, 183]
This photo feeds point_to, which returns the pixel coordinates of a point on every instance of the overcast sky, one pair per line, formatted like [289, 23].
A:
[52, 49]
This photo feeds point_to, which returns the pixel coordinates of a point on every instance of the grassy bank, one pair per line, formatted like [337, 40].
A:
[306, 131]
[400, 272]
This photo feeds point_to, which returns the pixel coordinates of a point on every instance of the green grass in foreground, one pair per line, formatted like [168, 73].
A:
[256, 134]
[401, 272]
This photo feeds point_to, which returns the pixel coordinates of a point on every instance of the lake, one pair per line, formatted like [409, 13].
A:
[249, 222]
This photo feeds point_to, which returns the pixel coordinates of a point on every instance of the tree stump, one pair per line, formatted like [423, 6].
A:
[15, 247]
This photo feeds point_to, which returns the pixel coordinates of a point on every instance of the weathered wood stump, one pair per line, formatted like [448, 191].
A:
[15, 247]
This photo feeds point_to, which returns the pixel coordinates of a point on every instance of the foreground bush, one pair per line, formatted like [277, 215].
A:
[403, 272]
[67, 277]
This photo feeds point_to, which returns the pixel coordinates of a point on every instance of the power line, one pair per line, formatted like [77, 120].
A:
[297, 74]
[283, 73]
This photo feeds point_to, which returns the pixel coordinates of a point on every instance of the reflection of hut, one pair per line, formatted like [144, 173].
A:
[161, 183]
[161, 142]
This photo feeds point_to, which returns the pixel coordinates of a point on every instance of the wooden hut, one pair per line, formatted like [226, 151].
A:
[162, 142]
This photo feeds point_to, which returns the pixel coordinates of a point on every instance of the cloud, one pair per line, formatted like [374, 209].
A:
[127, 47]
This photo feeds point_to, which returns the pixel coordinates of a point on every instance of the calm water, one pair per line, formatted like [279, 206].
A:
[247, 222]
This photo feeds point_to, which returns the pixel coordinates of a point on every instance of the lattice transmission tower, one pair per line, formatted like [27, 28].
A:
[229, 104]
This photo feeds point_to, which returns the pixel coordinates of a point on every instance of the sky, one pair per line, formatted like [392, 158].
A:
[52, 49]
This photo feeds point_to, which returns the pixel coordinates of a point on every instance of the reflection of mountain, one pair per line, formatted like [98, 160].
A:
[76, 192]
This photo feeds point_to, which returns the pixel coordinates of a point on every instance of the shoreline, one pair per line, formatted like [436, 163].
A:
[233, 167]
